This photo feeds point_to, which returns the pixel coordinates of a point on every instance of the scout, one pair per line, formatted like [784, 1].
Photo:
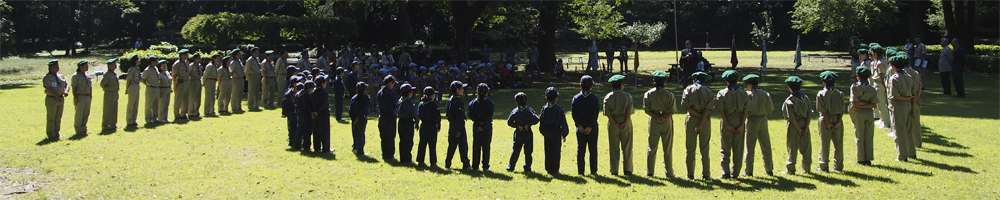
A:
[109, 83]
[339, 93]
[830, 104]
[900, 107]
[239, 76]
[194, 96]
[254, 77]
[879, 66]
[387, 100]
[132, 81]
[481, 113]
[585, 109]
[281, 75]
[863, 59]
[165, 82]
[151, 78]
[552, 124]
[407, 122]
[225, 85]
[863, 102]
[916, 90]
[457, 137]
[321, 115]
[268, 82]
[304, 107]
[56, 91]
[698, 101]
[209, 80]
[358, 111]
[659, 104]
[797, 115]
[180, 74]
[429, 125]
[756, 125]
[522, 118]
[618, 108]
[733, 106]
[352, 78]
[288, 112]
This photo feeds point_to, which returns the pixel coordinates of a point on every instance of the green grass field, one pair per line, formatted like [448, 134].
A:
[245, 155]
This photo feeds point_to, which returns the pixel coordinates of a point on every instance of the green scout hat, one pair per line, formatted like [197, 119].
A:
[701, 75]
[154, 58]
[113, 60]
[660, 75]
[81, 62]
[616, 78]
[863, 51]
[828, 76]
[268, 52]
[864, 46]
[917, 36]
[899, 60]
[234, 51]
[196, 55]
[161, 62]
[731, 75]
[863, 71]
[53, 62]
[793, 80]
[133, 58]
[891, 51]
[877, 48]
[751, 79]
[254, 49]
[183, 51]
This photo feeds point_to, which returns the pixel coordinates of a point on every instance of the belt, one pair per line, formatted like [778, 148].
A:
[161, 87]
[81, 94]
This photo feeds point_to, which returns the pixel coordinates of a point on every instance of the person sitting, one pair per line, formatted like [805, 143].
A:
[559, 70]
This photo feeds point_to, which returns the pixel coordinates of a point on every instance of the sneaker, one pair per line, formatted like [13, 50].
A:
[747, 175]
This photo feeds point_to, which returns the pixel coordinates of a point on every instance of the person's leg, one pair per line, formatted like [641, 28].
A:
[463, 149]
[253, 94]
[838, 145]
[690, 143]
[422, 145]
[667, 138]
[737, 154]
[752, 128]
[627, 151]
[581, 152]
[654, 141]
[946, 82]
[592, 148]
[726, 140]
[792, 145]
[529, 148]
[477, 147]
[825, 136]
[703, 141]
[614, 147]
[405, 140]
[916, 130]
[109, 116]
[452, 146]
[869, 138]
[432, 145]
[764, 138]
[132, 107]
[339, 107]
[805, 149]
[487, 143]
[883, 109]
[50, 118]
[899, 114]
[958, 75]
[515, 153]
[209, 97]
[82, 114]
[180, 98]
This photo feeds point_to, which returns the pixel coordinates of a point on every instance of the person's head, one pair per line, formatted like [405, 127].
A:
[196, 57]
[225, 61]
[406, 90]
[339, 71]
[269, 55]
[53, 65]
[659, 78]
[521, 99]
[586, 82]
[731, 76]
[283, 53]
[917, 39]
[794, 83]
[457, 87]
[389, 81]
[945, 42]
[82, 65]
[551, 94]
[751, 80]
[112, 64]
[255, 52]
[215, 59]
[899, 61]
[698, 77]
[161, 65]
[482, 91]
[153, 60]
[134, 60]
[862, 54]
[310, 86]
[954, 42]
[429, 94]
[863, 72]
[183, 54]
[687, 44]
[876, 49]
[908, 40]
[305, 53]
[361, 87]
[617, 81]
[321, 81]
[828, 78]
[298, 87]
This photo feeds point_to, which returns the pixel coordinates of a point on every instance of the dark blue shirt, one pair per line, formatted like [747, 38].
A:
[481, 111]
[958, 59]
[430, 115]
[387, 100]
[359, 107]
[406, 109]
[303, 104]
[288, 103]
[585, 108]
[522, 116]
[553, 120]
[455, 110]
[321, 101]
[338, 87]
[352, 82]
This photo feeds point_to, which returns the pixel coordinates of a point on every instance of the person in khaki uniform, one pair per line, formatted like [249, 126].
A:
[194, 87]
[697, 99]
[132, 80]
[797, 115]
[82, 88]
[238, 76]
[151, 78]
[916, 89]
[165, 90]
[618, 108]
[56, 91]
[225, 85]
[660, 105]
[733, 106]
[830, 104]
[109, 83]
[254, 77]
[756, 126]
[879, 66]
[899, 95]
[268, 82]
[281, 75]
[208, 81]
[180, 74]
[863, 102]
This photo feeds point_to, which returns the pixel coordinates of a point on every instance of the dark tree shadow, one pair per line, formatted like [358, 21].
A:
[822, 177]
[15, 86]
[901, 170]
[868, 177]
[78, 136]
[947, 153]
[945, 166]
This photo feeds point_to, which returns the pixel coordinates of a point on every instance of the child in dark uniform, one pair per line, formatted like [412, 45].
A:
[321, 115]
[407, 122]
[303, 105]
[288, 112]
[522, 118]
[481, 114]
[339, 93]
[457, 139]
[358, 112]
[429, 125]
[553, 126]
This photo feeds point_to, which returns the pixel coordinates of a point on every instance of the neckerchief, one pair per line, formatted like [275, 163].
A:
[901, 71]
[521, 108]
[733, 87]
[698, 83]
[757, 88]
[584, 93]
[863, 82]
[828, 87]
[798, 95]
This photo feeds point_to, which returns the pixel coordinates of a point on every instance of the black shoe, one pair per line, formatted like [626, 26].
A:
[510, 169]
[527, 169]
[770, 173]
[707, 177]
[650, 175]
[725, 176]
[628, 173]
[447, 165]
[747, 175]
[823, 169]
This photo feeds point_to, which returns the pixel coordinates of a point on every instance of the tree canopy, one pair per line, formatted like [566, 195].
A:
[842, 18]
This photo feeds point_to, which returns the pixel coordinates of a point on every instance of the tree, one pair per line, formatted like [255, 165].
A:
[645, 34]
[960, 21]
[465, 14]
[850, 18]
[222, 28]
[596, 20]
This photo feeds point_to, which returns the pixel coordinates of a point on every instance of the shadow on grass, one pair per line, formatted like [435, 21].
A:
[536, 175]
[433, 169]
[609, 180]
[46, 141]
[482, 174]
[777, 183]
[944, 166]
[15, 86]
[930, 136]
[107, 131]
[366, 158]
[644, 180]
[327, 156]
[152, 125]
[947, 153]
[686, 183]
[574, 179]
[78, 136]
[131, 128]
[822, 177]
[868, 177]
[901, 170]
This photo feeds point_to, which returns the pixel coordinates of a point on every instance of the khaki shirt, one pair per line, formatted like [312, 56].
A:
[732, 102]
[830, 101]
[618, 104]
[195, 71]
[236, 69]
[280, 67]
[659, 101]
[133, 76]
[81, 83]
[698, 97]
[253, 67]
[795, 108]
[151, 76]
[225, 74]
[879, 66]
[211, 72]
[917, 83]
[110, 82]
[760, 103]
[861, 93]
[899, 86]
[56, 82]
[268, 69]
[180, 69]
[165, 80]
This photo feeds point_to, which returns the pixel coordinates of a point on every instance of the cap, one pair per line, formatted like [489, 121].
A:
[227, 58]
[374, 65]
[394, 69]
[877, 48]
[134, 57]
[458, 84]
[751, 79]
[520, 98]
[196, 55]
[321, 79]
[234, 51]
[356, 62]
[53, 62]
[161, 62]
[81, 62]
[616, 78]
[154, 58]
[891, 51]
[254, 49]
[429, 90]
[268, 52]
[827, 76]
[863, 51]
[699, 75]
[310, 84]
[863, 71]
[660, 75]
[406, 88]
[440, 62]
[793, 80]
[388, 79]
[339, 70]
[731, 75]
[183, 51]
[113, 60]
[917, 36]
[423, 68]
[551, 91]
[299, 85]
[483, 89]
[413, 65]
[899, 60]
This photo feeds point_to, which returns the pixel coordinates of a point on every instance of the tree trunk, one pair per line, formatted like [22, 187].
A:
[949, 18]
[546, 42]
[968, 39]
[405, 26]
[74, 31]
[465, 16]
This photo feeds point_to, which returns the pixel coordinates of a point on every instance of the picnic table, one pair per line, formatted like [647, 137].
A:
[823, 57]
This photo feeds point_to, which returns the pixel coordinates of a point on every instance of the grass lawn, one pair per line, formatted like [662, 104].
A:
[245, 155]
